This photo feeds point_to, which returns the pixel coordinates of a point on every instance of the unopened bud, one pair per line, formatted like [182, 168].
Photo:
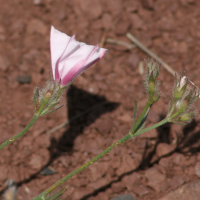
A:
[182, 105]
[48, 94]
[180, 88]
[152, 85]
[187, 117]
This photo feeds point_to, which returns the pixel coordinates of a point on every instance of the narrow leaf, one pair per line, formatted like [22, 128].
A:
[45, 113]
[56, 195]
[134, 115]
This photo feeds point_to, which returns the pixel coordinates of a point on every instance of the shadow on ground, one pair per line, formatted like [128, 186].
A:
[83, 109]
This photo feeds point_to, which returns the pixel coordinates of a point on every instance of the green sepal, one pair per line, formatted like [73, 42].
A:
[169, 108]
[47, 112]
[36, 95]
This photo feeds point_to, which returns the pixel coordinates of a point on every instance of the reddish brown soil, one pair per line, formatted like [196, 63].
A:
[147, 167]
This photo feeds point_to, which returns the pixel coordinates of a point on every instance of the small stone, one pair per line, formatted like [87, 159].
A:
[98, 170]
[133, 60]
[104, 125]
[3, 172]
[81, 192]
[98, 184]
[178, 159]
[2, 33]
[177, 181]
[107, 21]
[115, 162]
[48, 171]
[130, 180]
[155, 178]
[122, 27]
[10, 190]
[163, 149]
[189, 191]
[37, 2]
[37, 161]
[148, 4]
[117, 187]
[129, 163]
[4, 63]
[197, 169]
[183, 47]
[137, 23]
[89, 13]
[123, 197]
[140, 190]
[113, 7]
[164, 162]
[125, 118]
[24, 79]
[150, 134]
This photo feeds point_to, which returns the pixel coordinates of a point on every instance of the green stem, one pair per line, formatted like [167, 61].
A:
[35, 117]
[144, 112]
[93, 160]
[164, 121]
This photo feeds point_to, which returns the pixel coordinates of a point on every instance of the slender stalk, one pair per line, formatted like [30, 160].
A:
[93, 160]
[146, 109]
[35, 117]
[164, 121]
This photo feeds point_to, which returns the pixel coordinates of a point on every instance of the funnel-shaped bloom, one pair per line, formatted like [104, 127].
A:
[69, 58]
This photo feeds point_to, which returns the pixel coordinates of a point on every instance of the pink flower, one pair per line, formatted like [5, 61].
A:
[69, 58]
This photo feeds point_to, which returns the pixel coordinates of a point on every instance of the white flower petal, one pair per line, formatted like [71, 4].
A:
[58, 43]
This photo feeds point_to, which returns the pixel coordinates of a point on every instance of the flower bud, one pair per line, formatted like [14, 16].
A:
[152, 81]
[182, 105]
[186, 117]
[180, 87]
[152, 85]
[47, 95]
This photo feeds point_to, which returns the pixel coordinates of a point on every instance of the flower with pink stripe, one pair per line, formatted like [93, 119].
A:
[69, 58]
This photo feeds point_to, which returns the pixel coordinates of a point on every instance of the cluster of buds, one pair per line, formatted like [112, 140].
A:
[182, 109]
[69, 58]
[152, 81]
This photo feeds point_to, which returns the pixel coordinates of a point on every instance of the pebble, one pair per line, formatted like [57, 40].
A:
[163, 149]
[197, 169]
[128, 163]
[24, 79]
[122, 27]
[189, 191]
[3, 172]
[106, 21]
[148, 4]
[89, 13]
[130, 180]
[140, 190]
[137, 22]
[155, 177]
[117, 187]
[177, 181]
[123, 197]
[4, 63]
[37, 2]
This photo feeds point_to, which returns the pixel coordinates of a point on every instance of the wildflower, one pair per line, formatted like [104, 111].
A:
[69, 58]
